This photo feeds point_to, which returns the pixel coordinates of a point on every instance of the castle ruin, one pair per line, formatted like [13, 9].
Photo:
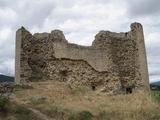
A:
[114, 61]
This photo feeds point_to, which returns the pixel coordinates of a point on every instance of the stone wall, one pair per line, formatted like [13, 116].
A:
[115, 62]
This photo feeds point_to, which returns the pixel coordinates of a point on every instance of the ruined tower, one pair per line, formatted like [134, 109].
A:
[115, 61]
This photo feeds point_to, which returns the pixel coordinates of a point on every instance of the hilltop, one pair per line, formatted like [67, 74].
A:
[156, 83]
[52, 100]
[4, 78]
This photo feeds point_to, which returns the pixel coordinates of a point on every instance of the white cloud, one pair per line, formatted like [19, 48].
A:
[7, 67]
[153, 38]
[5, 33]
[7, 17]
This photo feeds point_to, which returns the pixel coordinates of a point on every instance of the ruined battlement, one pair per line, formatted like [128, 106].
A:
[114, 61]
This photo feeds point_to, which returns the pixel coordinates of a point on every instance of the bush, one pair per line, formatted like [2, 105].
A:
[21, 110]
[84, 115]
[4, 101]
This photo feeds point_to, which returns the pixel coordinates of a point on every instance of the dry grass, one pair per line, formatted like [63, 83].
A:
[62, 100]
[15, 111]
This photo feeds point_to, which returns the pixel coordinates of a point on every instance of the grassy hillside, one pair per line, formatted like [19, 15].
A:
[4, 78]
[58, 101]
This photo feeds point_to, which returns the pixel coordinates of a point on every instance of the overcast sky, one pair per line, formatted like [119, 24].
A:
[80, 20]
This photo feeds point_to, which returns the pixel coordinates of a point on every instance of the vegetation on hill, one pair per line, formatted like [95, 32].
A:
[155, 86]
[4, 78]
[156, 83]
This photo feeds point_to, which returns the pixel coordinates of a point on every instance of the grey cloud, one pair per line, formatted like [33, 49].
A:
[143, 7]
[7, 3]
[27, 13]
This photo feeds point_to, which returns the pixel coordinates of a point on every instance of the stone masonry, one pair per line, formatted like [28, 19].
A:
[115, 62]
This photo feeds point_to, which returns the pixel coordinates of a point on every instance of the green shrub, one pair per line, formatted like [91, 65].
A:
[84, 115]
[21, 110]
[4, 101]
[72, 116]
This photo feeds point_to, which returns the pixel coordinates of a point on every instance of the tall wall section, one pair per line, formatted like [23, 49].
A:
[115, 61]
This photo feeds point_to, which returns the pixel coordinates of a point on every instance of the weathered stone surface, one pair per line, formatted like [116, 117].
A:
[115, 61]
[6, 88]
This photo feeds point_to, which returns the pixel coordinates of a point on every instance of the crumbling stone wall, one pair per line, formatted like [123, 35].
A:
[115, 62]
